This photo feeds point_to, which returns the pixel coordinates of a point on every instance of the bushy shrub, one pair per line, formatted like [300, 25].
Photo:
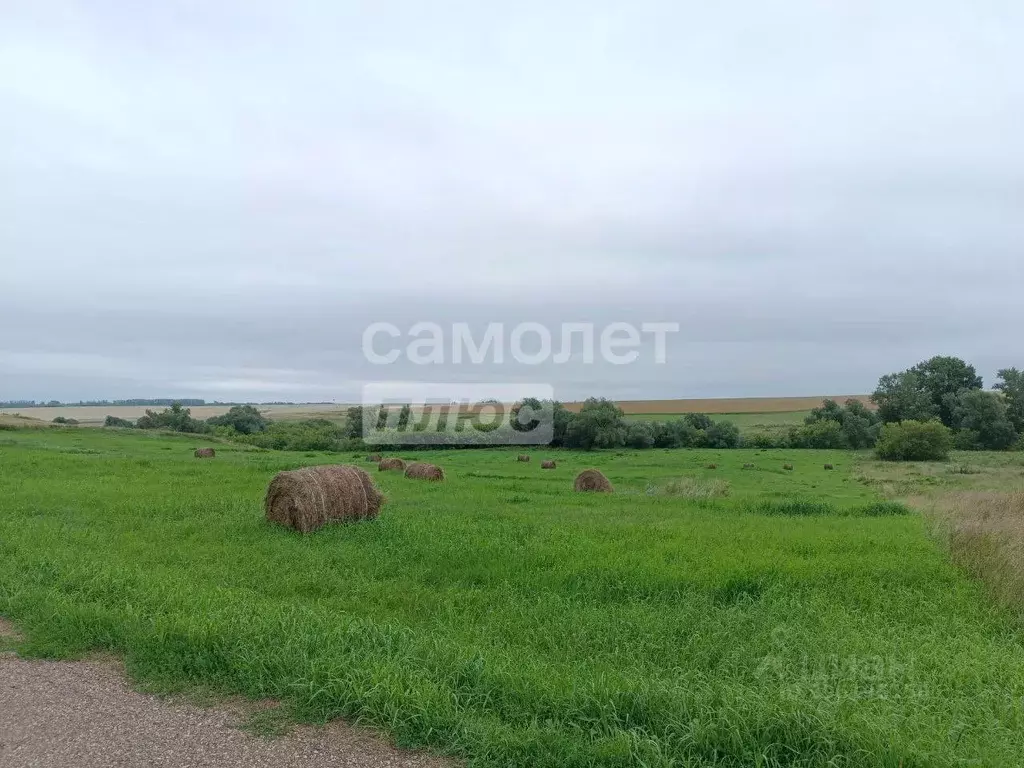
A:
[114, 421]
[309, 435]
[175, 418]
[676, 433]
[599, 424]
[640, 434]
[915, 441]
[768, 439]
[722, 434]
[832, 425]
[66, 421]
[818, 434]
[982, 421]
[244, 419]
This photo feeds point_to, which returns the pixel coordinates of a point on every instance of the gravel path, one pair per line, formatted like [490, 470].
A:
[56, 714]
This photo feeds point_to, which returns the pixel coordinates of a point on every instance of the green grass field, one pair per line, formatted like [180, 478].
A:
[502, 618]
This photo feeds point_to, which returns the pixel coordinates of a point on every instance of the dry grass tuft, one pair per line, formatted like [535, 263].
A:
[420, 470]
[592, 480]
[985, 531]
[205, 453]
[712, 466]
[696, 488]
[306, 499]
[549, 464]
[391, 463]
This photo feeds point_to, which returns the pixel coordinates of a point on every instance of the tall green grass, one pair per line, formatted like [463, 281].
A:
[500, 617]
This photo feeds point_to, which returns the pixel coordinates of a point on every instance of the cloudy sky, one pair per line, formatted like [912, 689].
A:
[215, 199]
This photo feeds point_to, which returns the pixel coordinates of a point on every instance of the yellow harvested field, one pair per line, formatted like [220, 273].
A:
[729, 404]
[94, 415]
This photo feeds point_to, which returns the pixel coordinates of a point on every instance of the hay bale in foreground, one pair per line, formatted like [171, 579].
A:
[523, 457]
[548, 464]
[592, 480]
[308, 498]
[420, 470]
[205, 453]
[390, 463]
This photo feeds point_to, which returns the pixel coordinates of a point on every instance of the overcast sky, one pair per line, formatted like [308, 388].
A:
[214, 199]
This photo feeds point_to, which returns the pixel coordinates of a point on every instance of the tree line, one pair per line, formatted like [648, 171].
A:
[920, 413]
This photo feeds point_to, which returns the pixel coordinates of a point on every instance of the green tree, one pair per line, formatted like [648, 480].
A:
[640, 434]
[1011, 385]
[926, 391]
[599, 424]
[675, 433]
[982, 421]
[901, 397]
[915, 441]
[855, 427]
[826, 433]
[244, 419]
[722, 434]
[175, 418]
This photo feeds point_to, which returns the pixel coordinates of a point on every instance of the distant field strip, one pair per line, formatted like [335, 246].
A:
[93, 415]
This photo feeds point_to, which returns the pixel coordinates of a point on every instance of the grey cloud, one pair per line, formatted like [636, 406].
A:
[216, 200]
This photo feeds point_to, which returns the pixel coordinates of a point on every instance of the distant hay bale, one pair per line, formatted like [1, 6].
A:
[523, 457]
[592, 480]
[390, 464]
[306, 499]
[375, 457]
[829, 466]
[421, 470]
[205, 453]
[748, 465]
[788, 467]
[549, 464]
[712, 466]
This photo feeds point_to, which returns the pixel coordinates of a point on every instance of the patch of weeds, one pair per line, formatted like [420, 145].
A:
[790, 507]
[880, 509]
[693, 488]
[964, 469]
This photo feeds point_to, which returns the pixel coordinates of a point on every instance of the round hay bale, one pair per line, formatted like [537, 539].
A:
[829, 466]
[306, 499]
[712, 466]
[549, 464]
[748, 465]
[375, 457]
[523, 457]
[788, 467]
[421, 470]
[391, 464]
[205, 453]
[592, 480]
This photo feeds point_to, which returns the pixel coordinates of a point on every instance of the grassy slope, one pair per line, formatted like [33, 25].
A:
[501, 617]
